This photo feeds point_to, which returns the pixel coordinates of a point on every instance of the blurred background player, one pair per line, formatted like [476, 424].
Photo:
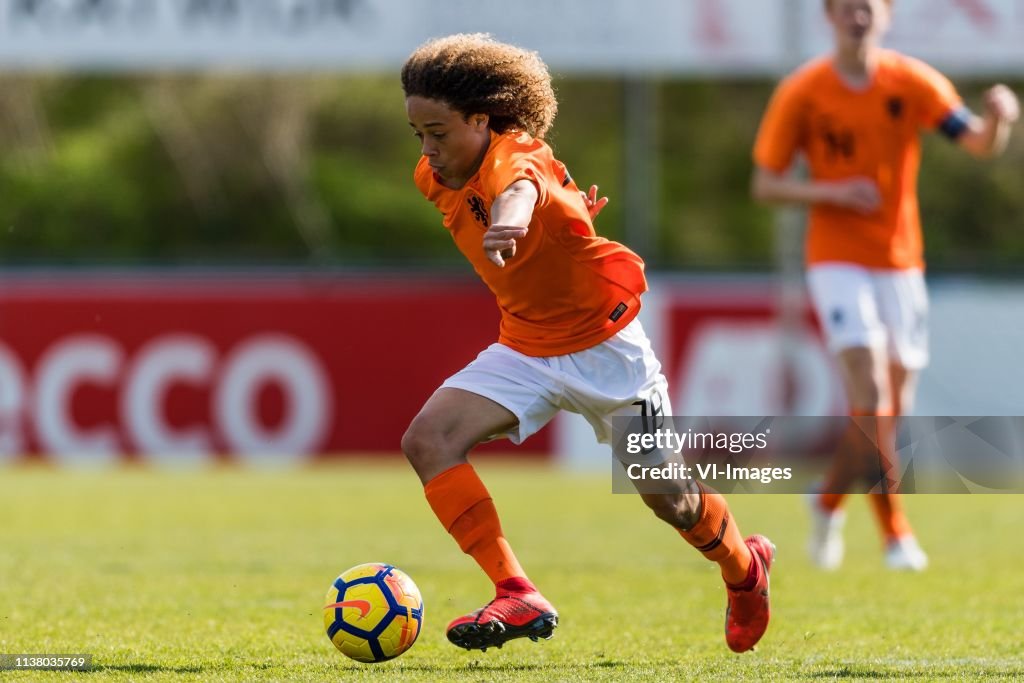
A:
[856, 116]
[569, 338]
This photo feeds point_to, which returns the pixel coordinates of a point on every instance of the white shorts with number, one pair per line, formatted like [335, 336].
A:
[619, 377]
[866, 307]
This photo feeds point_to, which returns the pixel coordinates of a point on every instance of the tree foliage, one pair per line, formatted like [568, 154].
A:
[316, 169]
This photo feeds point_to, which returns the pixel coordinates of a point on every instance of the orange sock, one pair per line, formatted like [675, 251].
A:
[718, 538]
[892, 520]
[887, 504]
[830, 502]
[461, 501]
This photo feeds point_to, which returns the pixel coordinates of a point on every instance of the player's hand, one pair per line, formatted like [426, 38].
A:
[857, 194]
[500, 243]
[594, 205]
[1002, 103]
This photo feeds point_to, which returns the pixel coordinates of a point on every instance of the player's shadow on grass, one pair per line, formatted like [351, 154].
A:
[862, 673]
[849, 672]
[146, 669]
[475, 666]
[441, 670]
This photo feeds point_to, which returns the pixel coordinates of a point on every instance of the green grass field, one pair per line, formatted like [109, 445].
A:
[220, 575]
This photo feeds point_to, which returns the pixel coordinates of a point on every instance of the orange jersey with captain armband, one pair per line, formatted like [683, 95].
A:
[566, 289]
[872, 133]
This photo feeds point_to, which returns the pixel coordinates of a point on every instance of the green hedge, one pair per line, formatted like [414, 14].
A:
[298, 170]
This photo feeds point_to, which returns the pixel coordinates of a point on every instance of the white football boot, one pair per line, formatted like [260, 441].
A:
[904, 554]
[826, 546]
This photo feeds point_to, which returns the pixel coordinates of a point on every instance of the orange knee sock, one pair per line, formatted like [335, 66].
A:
[887, 504]
[718, 538]
[830, 502]
[461, 501]
[892, 520]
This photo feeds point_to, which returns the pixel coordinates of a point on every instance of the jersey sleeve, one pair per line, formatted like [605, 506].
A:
[781, 131]
[939, 104]
[513, 162]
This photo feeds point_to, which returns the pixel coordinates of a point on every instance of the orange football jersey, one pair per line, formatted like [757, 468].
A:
[872, 133]
[566, 289]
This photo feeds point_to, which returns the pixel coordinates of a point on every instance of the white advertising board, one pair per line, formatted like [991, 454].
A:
[959, 37]
[712, 37]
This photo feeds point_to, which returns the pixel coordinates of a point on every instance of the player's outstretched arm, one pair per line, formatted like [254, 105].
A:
[987, 135]
[511, 213]
[857, 194]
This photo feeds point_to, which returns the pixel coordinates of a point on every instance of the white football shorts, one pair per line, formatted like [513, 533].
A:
[876, 308]
[620, 377]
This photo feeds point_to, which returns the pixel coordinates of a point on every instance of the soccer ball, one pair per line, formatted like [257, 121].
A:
[373, 612]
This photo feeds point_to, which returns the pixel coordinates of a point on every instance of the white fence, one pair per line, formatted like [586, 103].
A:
[743, 37]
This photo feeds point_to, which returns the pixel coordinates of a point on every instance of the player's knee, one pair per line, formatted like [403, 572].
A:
[422, 444]
[865, 404]
[867, 394]
[869, 399]
[867, 387]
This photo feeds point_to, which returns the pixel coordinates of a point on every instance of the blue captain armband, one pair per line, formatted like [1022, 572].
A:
[956, 122]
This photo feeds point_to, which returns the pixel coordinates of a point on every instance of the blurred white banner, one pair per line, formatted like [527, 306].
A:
[957, 36]
[739, 37]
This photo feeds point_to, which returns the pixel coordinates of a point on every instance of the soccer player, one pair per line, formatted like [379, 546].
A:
[856, 115]
[568, 339]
